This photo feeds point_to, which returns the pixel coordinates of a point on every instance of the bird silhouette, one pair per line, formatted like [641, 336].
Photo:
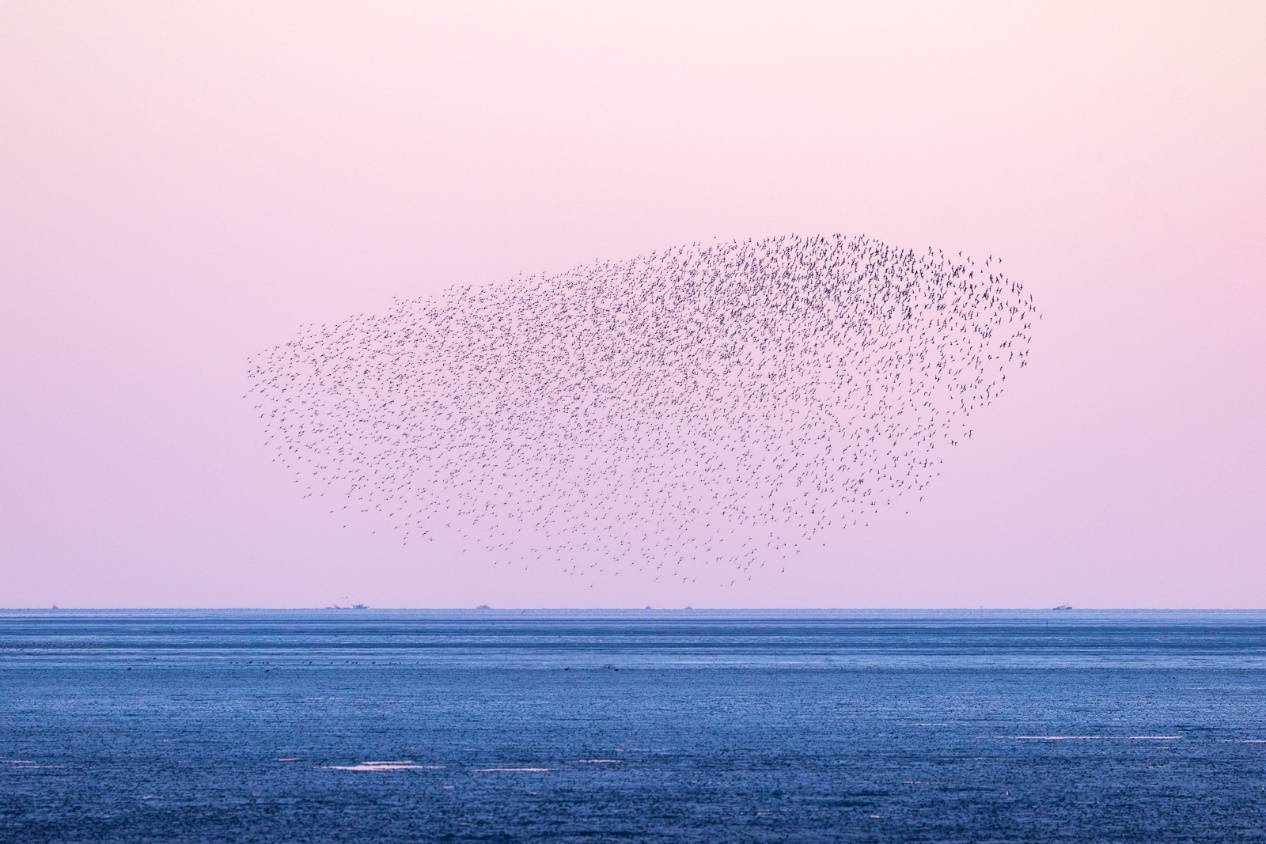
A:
[694, 412]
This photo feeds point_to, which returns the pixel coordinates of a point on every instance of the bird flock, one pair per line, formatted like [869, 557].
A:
[702, 412]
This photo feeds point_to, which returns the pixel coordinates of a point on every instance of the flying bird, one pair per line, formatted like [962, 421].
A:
[695, 412]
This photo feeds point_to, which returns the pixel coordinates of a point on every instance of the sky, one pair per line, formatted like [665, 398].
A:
[184, 184]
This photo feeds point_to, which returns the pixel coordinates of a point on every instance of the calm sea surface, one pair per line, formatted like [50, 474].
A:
[673, 726]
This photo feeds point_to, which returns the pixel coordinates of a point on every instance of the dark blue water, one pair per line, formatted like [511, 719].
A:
[686, 726]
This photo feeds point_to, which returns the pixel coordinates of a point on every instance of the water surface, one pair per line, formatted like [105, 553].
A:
[668, 725]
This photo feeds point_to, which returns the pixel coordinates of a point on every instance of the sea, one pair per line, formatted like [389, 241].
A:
[655, 725]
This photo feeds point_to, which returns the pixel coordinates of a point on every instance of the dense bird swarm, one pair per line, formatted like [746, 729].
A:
[705, 411]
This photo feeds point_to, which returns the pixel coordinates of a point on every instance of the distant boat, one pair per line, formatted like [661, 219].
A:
[360, 606]
[483, 607]
[1061, 608]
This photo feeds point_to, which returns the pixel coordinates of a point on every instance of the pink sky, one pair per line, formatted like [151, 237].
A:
[181, 185]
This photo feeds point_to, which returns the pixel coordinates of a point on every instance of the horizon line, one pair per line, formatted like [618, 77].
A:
[646, 608]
